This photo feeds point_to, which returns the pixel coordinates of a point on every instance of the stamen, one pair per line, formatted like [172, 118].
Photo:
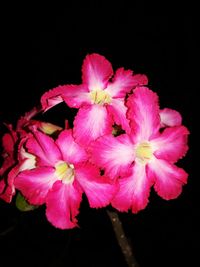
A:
[100, 97]
[144, 152]
[65, 172]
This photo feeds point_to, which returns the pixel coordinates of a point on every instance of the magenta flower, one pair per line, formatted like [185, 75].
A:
[12, 142]
[100, 100]
[61, 175]
[145, 157]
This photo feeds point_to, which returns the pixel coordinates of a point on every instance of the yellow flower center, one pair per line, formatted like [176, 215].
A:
[100, 97]
[64, 172]
[144, 152]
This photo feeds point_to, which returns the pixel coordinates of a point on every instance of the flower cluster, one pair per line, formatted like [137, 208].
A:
[120, 146]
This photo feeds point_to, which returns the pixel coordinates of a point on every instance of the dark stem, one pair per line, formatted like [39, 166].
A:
[122, 239]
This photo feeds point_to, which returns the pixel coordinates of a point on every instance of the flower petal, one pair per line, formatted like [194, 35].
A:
[52, 97]
[124, 81]
[26, 120]
[8, 162]
[140, 79]
[6, 192]
[63, 203]
[8, 141]
[71, 151]
[170, 117]
[143, 112]
[96, 71]
[133, 191]
[169, 178]
[73, 95]
[118, 111]
[90, 123]
[76, 95]
[2, 186]
[44, 148]
[26, 160]
[35, 184]
[98, 189]
[115, 154]
[171, 145]
[7, 188]
[10, 187]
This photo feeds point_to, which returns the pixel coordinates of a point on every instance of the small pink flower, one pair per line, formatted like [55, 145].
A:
[100, 100]
[62, 173]
[145, 157]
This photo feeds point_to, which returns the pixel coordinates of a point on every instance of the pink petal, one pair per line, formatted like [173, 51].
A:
[134, 190]
[96, 71]
[169, 178]
[21, 147]
[76, 95]
[73, 95]
[98, 189]
[90, 123]
[44, 148]
[71, 151]
[5, 192]
[13, 173]
[63, 203]
[143, 112]
[124, 81]
[140, 79]
[118, 111]
[171, 145]
[26, 160]
[8, 143]
[26, 119]
[35, 184]
[9, 140]
[7, 189]
[170, 117]
[2, 186]
[53, 97]
[115, 154]
[7, 163]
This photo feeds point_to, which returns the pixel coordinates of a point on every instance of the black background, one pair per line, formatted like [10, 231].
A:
[45, 47]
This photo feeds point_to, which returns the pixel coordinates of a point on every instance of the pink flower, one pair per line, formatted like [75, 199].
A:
[61, 175]
[12, 164]
[100, 100]
[145, 157]
[12, 142]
